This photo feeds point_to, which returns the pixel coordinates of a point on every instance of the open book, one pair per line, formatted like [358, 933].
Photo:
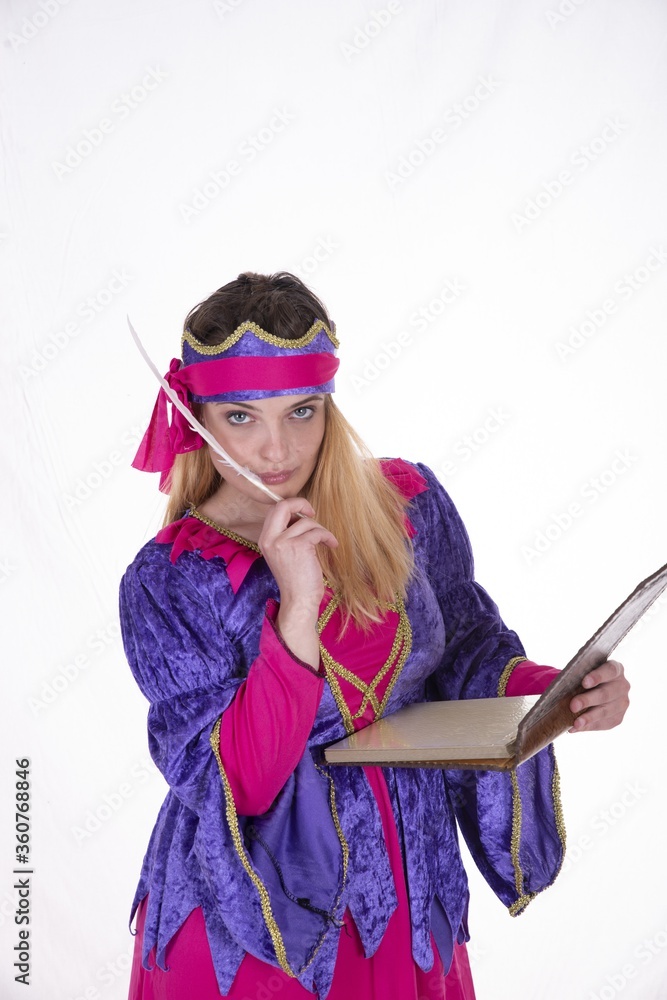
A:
[492, 733]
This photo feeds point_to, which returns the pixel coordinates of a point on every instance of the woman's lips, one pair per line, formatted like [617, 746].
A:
[274, 478]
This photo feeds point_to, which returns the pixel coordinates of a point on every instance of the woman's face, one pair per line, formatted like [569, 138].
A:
[277, 438]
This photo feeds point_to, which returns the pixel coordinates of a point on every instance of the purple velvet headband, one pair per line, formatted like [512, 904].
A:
[249, 364]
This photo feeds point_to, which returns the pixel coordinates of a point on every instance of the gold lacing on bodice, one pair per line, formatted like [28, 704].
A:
[398, 654]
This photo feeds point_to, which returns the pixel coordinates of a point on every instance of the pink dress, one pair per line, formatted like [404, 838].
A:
[263, 736]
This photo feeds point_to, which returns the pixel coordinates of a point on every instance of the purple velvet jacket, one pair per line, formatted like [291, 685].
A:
[278, 885]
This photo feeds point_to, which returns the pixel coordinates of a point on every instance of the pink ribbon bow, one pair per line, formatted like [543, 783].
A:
[164, 440]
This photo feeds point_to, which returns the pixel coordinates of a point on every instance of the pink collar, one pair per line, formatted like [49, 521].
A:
[189, 534]
[192, 535]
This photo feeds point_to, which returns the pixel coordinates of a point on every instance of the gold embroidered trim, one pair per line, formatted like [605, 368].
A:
[400, 650]
[558, 808]
[193, 512]
[341, 837]
[507, 673]
[515, 839]
[325, 617]
[232, 820]
[521, 904]
[524, 898]
[264, 898]
[211, 350]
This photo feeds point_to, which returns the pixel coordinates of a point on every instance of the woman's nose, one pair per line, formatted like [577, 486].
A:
[274, 446]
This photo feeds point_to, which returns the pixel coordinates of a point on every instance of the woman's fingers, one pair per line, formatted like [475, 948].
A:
[280, 529]
[280, 514]
[608, 671]
[605, 699]
[305, 526]
[289, 545]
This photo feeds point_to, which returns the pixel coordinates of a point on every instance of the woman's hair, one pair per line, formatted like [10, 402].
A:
[350, 495]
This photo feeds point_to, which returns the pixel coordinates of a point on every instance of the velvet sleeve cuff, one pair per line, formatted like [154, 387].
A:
[272, 609]
[528, 677]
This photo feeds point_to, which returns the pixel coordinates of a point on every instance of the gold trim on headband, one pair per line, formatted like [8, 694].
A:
[248, 327]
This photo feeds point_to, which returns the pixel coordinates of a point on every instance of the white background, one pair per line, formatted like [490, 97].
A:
[537, 392]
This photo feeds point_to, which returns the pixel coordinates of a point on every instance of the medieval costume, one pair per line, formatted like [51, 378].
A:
[266, 868]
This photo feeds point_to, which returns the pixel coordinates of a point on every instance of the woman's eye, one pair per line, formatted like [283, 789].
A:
[237, 418]
[303, 412]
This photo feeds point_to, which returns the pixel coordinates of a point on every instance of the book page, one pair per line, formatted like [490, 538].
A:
[439, 730]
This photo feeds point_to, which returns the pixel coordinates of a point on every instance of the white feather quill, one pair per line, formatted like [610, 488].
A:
[199, 428]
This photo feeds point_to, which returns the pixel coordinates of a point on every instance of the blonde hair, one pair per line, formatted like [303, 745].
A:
[352, 498]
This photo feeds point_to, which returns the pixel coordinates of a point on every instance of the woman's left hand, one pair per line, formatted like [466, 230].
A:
[604, 700]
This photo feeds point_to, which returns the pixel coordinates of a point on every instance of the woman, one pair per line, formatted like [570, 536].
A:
[260, 632]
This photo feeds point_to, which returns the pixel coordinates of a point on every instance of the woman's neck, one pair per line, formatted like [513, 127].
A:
[235, 512]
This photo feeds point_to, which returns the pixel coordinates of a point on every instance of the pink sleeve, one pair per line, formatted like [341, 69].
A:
[530, 678]
[264, 731]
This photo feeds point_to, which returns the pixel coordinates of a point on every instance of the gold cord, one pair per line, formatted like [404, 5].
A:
[519, 905]
[400, 650]
[269, 338]
[507, 673]
[262, 891]
[193, 512]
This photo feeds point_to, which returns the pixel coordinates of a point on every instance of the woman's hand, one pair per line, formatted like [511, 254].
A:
[604, 700]
[290, 550]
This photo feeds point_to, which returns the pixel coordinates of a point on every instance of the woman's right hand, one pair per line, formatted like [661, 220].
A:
[289, 546]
